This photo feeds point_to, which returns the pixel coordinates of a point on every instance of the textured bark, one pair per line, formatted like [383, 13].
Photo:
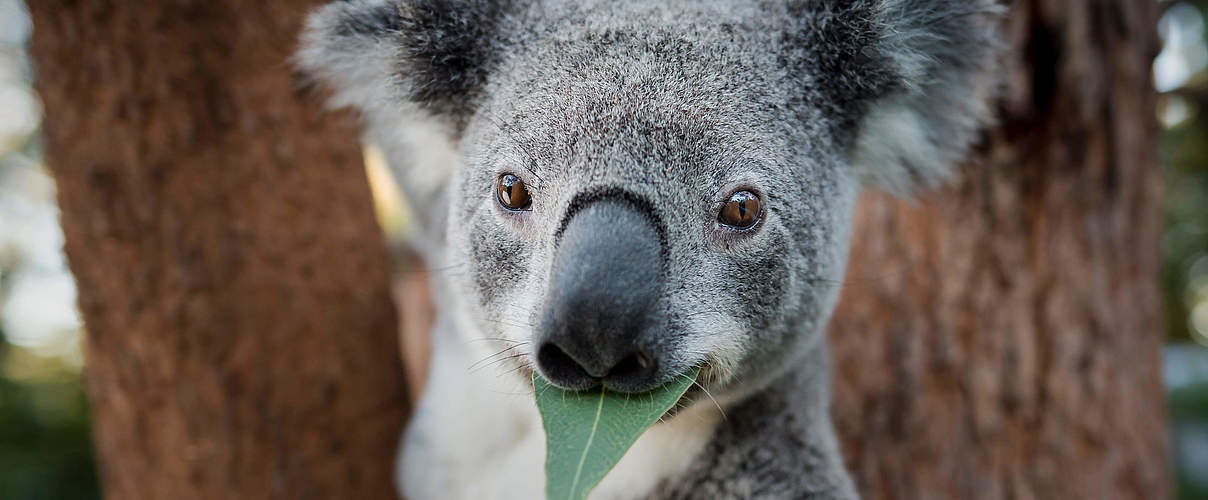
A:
[232, 279]
[1000, 339]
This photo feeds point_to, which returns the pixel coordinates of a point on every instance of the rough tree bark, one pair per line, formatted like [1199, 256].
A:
[241, 336]
[1001, 338]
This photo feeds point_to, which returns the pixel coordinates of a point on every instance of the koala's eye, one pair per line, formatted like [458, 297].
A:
[741, 211]
[512, 194]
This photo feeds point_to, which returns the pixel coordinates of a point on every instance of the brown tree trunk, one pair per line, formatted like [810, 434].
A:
[1001, 338]
[241, 337]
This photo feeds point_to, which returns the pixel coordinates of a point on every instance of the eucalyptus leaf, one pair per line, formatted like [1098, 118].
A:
[587, 433]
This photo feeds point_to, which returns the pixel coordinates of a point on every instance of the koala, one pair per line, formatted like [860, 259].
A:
[615, 192]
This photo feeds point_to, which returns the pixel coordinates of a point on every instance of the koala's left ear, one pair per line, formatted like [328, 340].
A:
[378, 54]
[415, 69]
[912, 80]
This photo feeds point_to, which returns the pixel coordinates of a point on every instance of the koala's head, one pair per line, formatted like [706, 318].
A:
[637, 188]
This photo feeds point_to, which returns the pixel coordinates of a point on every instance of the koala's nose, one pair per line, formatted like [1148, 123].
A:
[604, 290]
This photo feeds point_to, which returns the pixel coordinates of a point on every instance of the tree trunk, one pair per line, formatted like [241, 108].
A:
[240, 333]
[1001, 339]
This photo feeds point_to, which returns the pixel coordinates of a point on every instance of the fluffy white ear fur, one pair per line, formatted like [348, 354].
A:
[357, 60]
[944, 54]
[353, 47]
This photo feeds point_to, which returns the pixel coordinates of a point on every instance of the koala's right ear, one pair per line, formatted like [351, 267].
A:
[383, 54]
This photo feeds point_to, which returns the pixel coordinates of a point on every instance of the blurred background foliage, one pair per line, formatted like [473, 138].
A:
[45, 445]
[1181, 79]
[45, 449]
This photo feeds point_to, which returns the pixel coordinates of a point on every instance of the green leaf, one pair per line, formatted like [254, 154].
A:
[587, 433]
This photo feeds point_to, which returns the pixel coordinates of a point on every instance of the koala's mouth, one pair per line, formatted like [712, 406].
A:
[695, 394]
[690, 397]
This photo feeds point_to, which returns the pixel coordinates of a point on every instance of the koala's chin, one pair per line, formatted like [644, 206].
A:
[612, 193]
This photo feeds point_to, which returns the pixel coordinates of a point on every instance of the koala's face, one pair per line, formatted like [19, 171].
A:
[629, 218]
[642, 188]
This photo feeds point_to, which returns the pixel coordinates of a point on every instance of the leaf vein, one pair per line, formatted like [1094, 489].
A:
[574, 485]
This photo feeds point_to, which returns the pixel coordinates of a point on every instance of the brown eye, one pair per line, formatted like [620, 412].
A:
[741, 211]
[512, 193]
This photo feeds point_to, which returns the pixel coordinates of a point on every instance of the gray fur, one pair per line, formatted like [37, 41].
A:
[777, 444]
[672, 105]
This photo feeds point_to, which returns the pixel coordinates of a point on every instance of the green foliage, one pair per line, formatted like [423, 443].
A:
[587, 433]
[1189, 410]
[1184, 157]
[1184, 276]
[45, 450]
